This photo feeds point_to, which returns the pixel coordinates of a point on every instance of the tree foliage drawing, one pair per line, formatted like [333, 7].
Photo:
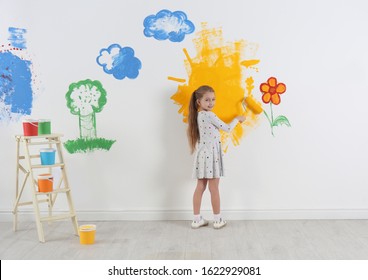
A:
[85, 99]
[271, 91]
[168, 25]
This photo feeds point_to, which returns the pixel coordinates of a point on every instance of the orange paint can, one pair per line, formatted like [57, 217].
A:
[45, 183]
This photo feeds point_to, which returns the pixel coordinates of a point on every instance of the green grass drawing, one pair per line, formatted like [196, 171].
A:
[81, 145]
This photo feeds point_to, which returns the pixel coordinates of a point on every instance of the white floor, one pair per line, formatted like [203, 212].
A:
[286, 239]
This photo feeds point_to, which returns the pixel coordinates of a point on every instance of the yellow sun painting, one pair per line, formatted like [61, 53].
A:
[223, 67]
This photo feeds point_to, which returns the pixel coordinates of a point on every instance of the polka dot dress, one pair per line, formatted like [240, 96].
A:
[208, 160]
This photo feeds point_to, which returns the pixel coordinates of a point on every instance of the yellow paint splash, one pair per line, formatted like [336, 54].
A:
[176, 79]
[250, 62]
[220, 66]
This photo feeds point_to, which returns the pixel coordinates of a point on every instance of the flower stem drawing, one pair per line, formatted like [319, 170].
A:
[271, 91]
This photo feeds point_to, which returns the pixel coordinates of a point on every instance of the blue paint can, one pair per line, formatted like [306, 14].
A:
[47, 156]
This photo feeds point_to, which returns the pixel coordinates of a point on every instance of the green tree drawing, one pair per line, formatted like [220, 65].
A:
[85, 99]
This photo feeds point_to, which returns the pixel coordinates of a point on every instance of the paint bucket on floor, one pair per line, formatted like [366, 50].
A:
[47, 156]
[30, 127]
[44, 127]
[45, 182]
[87, 234]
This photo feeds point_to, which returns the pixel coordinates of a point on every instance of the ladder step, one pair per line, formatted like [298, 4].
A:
[61, 190]
[31, 202]
[48, 136]
[44, 143]
[48, 166]
[31, 156]
[57, 217]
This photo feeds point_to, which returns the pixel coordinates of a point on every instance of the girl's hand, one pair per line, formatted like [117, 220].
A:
[240, 118]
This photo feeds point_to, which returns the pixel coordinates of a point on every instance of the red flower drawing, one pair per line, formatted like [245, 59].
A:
[272, 90]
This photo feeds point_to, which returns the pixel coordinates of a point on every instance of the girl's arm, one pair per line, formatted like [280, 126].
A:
[215, 120]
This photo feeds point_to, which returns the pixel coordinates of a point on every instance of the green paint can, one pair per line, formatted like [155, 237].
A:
[44, 127]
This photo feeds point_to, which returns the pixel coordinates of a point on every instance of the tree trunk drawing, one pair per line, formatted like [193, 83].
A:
[87, 126]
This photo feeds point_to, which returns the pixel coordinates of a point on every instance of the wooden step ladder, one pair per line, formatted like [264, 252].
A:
[26, 164]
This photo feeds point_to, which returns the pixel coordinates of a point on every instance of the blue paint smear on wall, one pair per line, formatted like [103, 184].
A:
[120, 62]
[168, 25]
[16, 37]
[16, 83]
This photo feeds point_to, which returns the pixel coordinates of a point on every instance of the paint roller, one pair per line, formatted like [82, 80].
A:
[252, 104]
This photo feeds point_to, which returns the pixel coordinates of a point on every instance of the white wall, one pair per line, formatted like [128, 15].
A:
[315, 169]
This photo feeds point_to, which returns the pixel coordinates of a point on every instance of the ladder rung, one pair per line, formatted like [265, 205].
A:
[62, 190]
[58, 217]
[44, 143]
[48, 166]
[31, 202]
[31, 156]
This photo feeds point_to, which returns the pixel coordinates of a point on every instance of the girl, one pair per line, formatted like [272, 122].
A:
[203, 133]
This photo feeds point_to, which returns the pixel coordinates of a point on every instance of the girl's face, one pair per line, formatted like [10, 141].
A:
[207, 102]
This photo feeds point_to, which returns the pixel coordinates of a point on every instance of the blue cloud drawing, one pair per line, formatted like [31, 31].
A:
[168, 25]
[120, 62]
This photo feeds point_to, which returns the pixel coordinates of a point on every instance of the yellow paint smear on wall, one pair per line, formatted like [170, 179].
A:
[176, 79]
[219, 65]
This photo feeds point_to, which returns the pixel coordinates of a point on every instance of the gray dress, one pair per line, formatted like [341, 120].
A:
[208, 160]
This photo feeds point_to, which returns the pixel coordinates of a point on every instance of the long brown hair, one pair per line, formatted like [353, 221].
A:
[193, 131]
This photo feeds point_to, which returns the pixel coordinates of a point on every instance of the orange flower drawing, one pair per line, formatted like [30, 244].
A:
[272, 90]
